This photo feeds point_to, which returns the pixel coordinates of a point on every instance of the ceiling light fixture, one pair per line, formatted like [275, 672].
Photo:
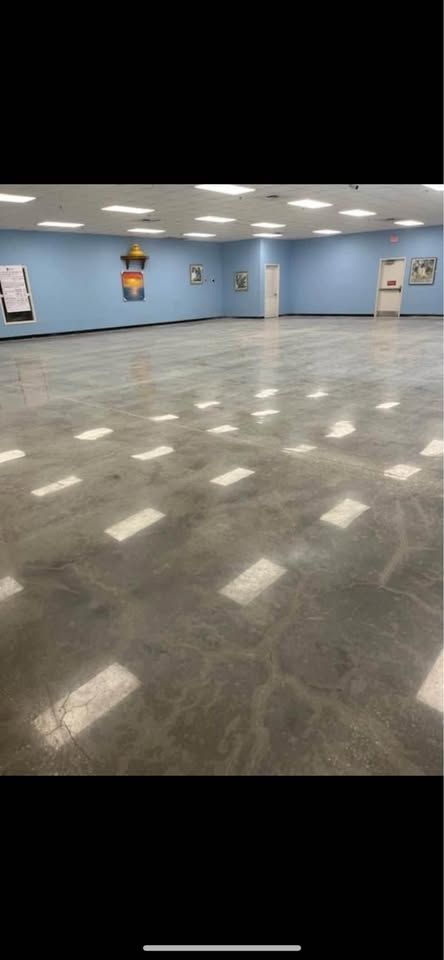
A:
[58, 223]
[118, 209]
[269, 226]
[198, 234]
[434, 186]
[267, 234]
[229, 188]
[217, 219]
[409, 223]
[14, 198]
[327, 233]
[309, 204]
[143, 230]
[358, 213]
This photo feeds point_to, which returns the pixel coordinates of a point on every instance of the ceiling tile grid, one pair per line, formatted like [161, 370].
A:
[177, 205]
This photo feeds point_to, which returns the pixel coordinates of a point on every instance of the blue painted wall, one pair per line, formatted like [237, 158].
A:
[75, 281]
[242, 255]
[339, 274]
[252, 255]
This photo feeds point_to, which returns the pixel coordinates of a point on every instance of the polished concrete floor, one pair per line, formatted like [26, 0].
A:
[150, 646]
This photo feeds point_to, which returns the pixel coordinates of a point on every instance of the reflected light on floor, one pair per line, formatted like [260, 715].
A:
[82, 707]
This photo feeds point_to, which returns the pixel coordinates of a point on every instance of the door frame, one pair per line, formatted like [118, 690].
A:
[381, 261]
[279, 285]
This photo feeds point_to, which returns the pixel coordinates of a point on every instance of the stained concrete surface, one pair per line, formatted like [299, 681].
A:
[319, 675]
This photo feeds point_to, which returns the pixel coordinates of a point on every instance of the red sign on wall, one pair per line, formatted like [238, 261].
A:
[394, 238]
[391, 283]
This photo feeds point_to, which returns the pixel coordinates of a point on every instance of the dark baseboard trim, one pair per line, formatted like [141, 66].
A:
[124, 326]
[438, 316]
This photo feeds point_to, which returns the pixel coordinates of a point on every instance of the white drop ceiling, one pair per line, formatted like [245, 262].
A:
[176, 205]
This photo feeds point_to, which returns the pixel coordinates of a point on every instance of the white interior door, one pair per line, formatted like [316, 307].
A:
[271, 290]
[389, 292]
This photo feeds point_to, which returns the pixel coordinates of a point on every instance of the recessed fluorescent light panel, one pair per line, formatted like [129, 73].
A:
[358, 213]
[198, 234]
[434, 186]
[229, 188]
[118, 209]
[327, 233]
[57, 223]
[14, 198]
[409, 223]
[217, 219]
[267, 235]
[309, 204]
[269, 226]
[142, 230]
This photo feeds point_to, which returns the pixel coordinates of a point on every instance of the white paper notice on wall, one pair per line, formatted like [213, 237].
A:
[14, 289]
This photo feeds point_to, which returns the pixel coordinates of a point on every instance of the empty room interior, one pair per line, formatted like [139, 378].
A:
[221, 455]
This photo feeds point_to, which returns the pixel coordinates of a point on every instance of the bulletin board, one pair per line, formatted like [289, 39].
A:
[15, 295]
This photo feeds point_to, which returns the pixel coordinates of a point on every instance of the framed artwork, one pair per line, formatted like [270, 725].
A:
[132, 285]
[196, 273]
[423, 269]
[241, 280]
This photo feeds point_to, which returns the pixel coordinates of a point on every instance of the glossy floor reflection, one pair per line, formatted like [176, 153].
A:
[159, 617]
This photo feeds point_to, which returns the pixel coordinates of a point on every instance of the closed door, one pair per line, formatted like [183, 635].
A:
[271, 290]
[389, 292]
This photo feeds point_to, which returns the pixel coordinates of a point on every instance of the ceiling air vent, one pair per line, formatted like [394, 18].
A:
[272, 196]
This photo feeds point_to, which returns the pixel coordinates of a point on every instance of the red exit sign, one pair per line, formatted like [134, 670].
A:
[391, 283]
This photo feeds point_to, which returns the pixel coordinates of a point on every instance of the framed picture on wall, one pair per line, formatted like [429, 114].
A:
[133, 285]
[423, 269]
[241, 281]
[196, 273]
